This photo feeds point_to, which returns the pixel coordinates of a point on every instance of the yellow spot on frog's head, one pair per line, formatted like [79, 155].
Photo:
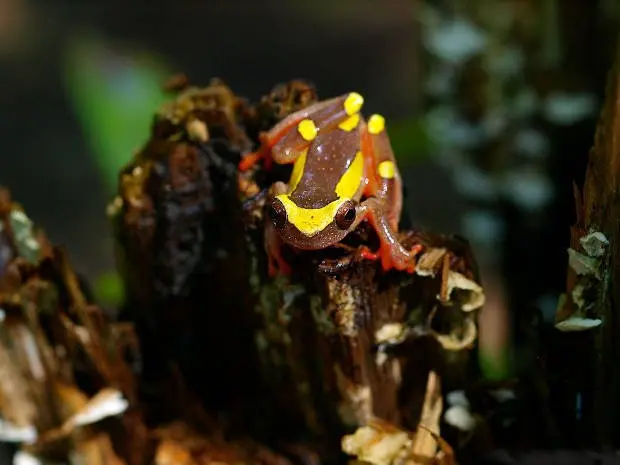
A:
[310, 221]
[386, 169]
[307, 129]
[353, 103]
[376, 124]
[350, 123]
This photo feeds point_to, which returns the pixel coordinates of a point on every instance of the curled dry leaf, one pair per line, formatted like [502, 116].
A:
[461, 289]
[453, 341]
[372, 445]
[430, 262]
[576, 323]
[583, 264]
[594, 244]
[106, 403]
[390, 333]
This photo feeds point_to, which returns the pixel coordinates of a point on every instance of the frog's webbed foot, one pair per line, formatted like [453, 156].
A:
[391, 252]
[399, 258]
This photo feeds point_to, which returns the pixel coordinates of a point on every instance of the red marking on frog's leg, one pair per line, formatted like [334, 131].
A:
[365, 253]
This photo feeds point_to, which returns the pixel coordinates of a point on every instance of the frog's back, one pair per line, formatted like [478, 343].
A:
[328, 157]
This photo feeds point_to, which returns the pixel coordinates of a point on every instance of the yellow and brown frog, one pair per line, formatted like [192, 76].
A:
[344, 172]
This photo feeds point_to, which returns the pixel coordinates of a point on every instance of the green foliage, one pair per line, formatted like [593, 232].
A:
[114, 97]
[495, 366]
[108, 289]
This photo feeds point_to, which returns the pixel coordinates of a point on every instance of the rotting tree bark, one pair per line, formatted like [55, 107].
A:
[590, 358]
[310, 358]
[345, 335]
[340, 347]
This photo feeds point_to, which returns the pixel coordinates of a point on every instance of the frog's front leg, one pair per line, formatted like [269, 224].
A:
[272, 242]
[287, 140]
[391, 251]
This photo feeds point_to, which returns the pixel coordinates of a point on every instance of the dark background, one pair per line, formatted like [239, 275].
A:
[380, 49]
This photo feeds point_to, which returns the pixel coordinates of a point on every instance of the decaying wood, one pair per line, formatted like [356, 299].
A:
[588, 313]
[381, 443]
[61, 359]
[337, 338]
[218, 348]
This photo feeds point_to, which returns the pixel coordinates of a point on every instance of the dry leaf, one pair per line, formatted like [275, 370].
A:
[391, 333]
[430, 262]
[575, 323]
[13, 433]
[594, 244]
[465, 290]
[376, 447]
[453, 342]
[106, 403]
[24, 458]
[460, 417]
[583, 264]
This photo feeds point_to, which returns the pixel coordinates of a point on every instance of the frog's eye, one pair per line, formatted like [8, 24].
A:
[277, 214]
[345, 216]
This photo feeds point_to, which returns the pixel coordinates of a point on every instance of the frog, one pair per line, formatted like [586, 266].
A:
[344, 172]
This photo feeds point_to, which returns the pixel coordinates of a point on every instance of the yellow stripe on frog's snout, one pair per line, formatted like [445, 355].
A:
[310, 221]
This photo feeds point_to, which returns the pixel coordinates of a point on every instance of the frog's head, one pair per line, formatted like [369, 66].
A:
[312, 228]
